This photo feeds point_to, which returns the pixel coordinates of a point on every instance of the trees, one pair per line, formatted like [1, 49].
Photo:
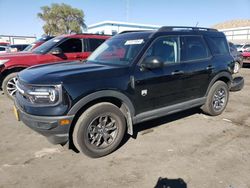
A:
[61, 19]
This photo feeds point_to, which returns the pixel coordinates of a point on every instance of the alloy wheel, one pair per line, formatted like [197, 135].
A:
[102, 131]
[11, 86]
[219, 99]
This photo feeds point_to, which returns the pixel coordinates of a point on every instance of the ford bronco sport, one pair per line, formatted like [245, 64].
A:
[62, 48]
[131, 78]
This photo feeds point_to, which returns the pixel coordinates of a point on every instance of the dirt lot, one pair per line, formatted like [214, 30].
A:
[204, 151]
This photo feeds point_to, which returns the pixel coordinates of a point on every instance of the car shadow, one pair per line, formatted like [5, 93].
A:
[147, 125]
[171, 183]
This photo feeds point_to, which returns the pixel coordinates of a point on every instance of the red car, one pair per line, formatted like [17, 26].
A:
[246, 57]
[61, 48]
[4, 44]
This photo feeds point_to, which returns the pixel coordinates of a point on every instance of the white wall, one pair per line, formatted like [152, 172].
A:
[17, 39]
[107, 29]
[238, 35]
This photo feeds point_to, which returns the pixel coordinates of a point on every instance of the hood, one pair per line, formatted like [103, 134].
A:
[16, 54]
[69, 71]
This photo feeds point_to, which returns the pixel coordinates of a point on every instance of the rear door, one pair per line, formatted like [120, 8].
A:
[160, 87]
[198, 64]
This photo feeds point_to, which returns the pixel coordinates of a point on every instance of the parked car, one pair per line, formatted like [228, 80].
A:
[4, 49]
[4, 43]
[38, 43]
[18, 47]
[238, 58]
[243, 48]
[58, 49]
[149, 74]
[246, 57]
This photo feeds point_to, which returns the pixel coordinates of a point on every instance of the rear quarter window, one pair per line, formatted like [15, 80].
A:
[218, 45]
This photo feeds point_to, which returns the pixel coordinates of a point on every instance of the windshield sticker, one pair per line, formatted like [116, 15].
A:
[134, 42]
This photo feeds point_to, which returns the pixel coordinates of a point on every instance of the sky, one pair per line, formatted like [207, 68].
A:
[19, 17]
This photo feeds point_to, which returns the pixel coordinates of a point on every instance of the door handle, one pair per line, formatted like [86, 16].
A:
[210, 67]
[177, 72]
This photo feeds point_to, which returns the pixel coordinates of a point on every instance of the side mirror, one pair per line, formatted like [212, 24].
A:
[152, 63]
[56, 51]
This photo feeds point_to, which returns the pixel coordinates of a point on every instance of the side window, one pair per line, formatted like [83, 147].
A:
[193, 48]
[2, 49]
[94, 43]
[218, 45]
[165, 48]
[71, 46]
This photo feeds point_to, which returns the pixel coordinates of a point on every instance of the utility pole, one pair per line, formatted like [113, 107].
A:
[127, 10]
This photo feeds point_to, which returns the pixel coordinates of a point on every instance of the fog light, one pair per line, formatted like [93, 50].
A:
[64, 122]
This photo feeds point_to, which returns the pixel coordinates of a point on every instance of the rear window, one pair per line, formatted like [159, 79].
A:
[218, 45]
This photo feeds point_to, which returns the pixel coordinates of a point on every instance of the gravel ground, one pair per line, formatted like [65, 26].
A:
[204, 151]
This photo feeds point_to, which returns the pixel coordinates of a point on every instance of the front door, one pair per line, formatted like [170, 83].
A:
[72, 49]
[160, 87]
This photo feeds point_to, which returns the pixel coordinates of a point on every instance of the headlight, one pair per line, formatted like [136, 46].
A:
[44, 95]
[2, 61]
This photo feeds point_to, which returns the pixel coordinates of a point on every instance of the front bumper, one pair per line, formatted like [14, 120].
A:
[237, 84]
[47, 126]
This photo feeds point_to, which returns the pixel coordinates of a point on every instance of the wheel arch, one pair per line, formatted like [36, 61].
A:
[117, 98]
[8, 71]
[222, 76]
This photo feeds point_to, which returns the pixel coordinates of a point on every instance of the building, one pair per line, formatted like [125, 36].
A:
[112, 27]
[237, 35]
[17, 39]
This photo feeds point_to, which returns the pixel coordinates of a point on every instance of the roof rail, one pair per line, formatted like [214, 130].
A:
[90, 34]
[172, 28]
[131, 31]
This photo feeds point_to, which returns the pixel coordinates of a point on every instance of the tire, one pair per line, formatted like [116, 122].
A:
[94, 134]
[237, 67]
[9, 85]
[217, 99]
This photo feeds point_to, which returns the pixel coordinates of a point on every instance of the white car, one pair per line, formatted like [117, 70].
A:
[243, 48]
[4, 49]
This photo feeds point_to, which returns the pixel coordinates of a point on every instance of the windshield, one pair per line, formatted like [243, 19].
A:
[45, 47]
[29, 47]
[238, 45]
[118, 51]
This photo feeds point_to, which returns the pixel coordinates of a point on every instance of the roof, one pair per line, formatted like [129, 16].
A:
[123, 24]
[170, 30]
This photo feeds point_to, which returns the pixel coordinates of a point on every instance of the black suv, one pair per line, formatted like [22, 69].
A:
[131, 78]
